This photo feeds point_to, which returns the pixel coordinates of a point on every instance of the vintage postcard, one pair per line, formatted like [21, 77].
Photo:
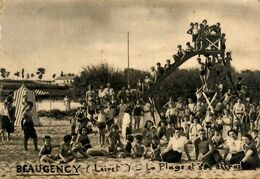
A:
[129, 89]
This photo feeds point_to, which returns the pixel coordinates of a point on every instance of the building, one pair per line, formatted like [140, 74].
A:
[64, 80]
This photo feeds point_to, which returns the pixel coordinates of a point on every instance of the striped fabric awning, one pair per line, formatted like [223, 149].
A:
[40, 92]
[19, 106]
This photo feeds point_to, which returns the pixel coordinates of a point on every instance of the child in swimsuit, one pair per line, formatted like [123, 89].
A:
[139, 150]
[45, 152]
[101, 124]
[65, 152]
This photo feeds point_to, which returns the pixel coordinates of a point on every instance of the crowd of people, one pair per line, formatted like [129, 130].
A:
[200, 32]
[128, 127]
[215, 124]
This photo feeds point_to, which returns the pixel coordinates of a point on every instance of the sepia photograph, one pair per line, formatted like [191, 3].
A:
[129, 89]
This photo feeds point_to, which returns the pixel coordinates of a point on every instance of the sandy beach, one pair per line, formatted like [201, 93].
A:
[12, 155]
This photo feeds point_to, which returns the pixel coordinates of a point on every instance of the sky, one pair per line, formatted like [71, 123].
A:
[70, 34]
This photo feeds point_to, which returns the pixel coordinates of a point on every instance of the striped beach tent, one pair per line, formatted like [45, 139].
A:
[40, 92]
[18, 103]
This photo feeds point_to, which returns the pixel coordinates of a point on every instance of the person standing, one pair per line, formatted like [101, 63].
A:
[67, 102]
[239, 114]
[7, 119]
[147, 113]
[194, 129]
[28, 126]
[137, 114]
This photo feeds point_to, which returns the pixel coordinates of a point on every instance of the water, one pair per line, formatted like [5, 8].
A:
[47, 105]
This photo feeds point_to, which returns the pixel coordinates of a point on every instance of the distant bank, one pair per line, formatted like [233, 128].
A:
[54, 90]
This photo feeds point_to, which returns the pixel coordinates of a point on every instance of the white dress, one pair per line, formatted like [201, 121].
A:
[147, 113]
[126, 121]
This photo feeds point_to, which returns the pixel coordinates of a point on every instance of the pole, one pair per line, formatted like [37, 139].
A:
[128, 72]
[50, 103]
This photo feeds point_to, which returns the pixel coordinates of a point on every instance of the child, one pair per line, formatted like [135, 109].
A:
[45, 152]
[256, 139]
[128, 146]
[167, 66]
[80, 119]
[185, 124]
[77, 146]
[110, 114]
[113, 136]
[159, 69]
[155, 145]
[155, 149]
[139, 150]
[180, 52]
[101, 124]
[162, 129]
[171, 114]
[28, 126]
[169, 131]
[137, 113]
[189, 48]
[65, 152]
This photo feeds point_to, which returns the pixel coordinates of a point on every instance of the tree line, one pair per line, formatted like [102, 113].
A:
[22, 74]
[182, 82]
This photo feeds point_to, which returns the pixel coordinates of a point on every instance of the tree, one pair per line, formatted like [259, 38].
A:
[54, 76]
[7, 74]
[3, 72]
[22, 73]
[61, 73]
[27, 76]
[17, 74]
[40, 72]
[32, 75]
[101, 74]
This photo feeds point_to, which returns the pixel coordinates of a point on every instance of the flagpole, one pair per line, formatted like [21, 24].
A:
[128, 72]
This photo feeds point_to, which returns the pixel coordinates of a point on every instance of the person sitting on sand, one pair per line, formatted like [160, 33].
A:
[251, 159]
[113, 137]
[28, 126]
[128, 146]
[256, 139]
[65, 152]
[45, 152]
[83, 138]
[209, 153]
[155, 147]
[76, 146]
[234, 147]
[139, 149]
[111, 148]
[147, 133]
[176, 146]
